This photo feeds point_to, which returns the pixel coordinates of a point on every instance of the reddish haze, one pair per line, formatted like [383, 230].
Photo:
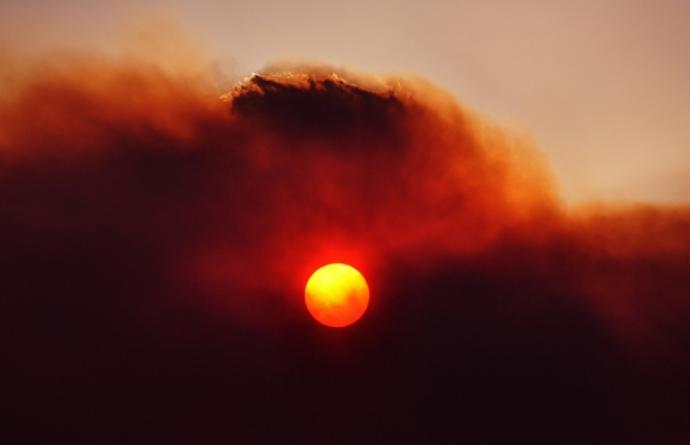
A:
[129, 193]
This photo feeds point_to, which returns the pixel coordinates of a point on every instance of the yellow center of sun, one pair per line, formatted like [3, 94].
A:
[336, 295]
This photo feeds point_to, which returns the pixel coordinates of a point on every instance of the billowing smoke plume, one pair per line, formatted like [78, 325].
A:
[156, 239]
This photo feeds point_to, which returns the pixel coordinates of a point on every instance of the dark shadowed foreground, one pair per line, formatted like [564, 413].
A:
[155, 240]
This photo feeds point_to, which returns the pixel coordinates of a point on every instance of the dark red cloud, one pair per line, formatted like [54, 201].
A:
[156, 239]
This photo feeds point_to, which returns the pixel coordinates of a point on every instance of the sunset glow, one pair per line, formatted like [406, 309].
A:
[356, 222]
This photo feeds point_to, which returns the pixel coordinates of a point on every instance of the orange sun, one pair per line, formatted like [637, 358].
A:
[336, 295]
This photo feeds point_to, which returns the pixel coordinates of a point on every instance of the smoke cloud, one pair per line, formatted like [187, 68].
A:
[156, 239]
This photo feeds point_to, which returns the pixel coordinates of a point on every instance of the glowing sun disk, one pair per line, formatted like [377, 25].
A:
[336, 295]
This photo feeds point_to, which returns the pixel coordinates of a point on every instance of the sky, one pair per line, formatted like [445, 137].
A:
[600, 85]
[164, 200]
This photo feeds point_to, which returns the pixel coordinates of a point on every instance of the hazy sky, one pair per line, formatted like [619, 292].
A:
[601, 84]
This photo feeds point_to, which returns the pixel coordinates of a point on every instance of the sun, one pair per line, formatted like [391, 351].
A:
[336, 295]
